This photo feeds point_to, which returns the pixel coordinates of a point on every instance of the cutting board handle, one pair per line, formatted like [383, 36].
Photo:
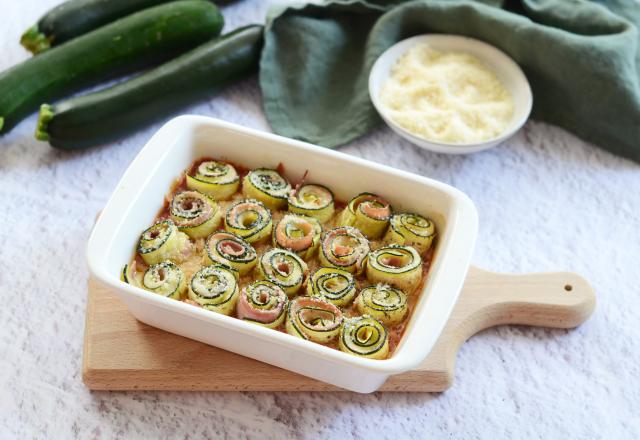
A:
[559, 300]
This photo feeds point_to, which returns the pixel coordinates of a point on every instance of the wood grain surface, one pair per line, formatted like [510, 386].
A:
[121, 353]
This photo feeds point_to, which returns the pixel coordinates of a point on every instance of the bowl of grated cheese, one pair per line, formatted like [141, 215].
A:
[450, 94]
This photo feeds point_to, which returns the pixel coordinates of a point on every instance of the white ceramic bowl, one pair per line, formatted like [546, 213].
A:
[139, 196]
[507, 71]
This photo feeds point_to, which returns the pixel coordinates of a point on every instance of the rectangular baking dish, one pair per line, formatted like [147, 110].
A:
[139, 195]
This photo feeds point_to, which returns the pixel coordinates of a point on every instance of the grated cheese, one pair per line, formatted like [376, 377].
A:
[446, 96]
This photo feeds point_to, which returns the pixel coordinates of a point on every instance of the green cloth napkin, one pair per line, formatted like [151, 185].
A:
[581, 58]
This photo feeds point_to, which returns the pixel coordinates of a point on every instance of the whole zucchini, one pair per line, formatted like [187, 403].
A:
[138, 40]
[114, 112]
[77, 17]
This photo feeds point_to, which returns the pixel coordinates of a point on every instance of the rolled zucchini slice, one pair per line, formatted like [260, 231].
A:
[230, 250]
[268, 186]
[161, 242]
[215, 288]
[298, 233]
[249, 219]
[130, 276]
[345, 248]
[312, 200]
[368, 212]
[195, 214]
[337, 286]
[313, 319]
[263, 303]
[410, 229]
[217, 179]
[383, 302]
[284, 269]
[365, 337]
[165, 279]
[399, 266]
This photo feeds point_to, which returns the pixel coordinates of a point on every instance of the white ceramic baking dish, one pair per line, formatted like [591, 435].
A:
[139, 196]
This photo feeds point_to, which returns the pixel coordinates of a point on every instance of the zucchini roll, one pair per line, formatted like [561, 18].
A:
[411, 230]
[364, 336]
[313, 319]
[195, 214]
[345, 248]
[283, 268]
[215, 288]
[216, 179]
[268, 186]
[369, 213]
[382, 302]
[165, 279]
[312, 200]
[400, 266]
[298, 233]
[263, 303]
[161, 242]
[130, 276]
[334, 285]
[249, 219]
[229, 250]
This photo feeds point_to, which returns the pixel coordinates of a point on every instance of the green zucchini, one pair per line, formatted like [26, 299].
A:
[411, 230]
[312, 200]
[217, 179]
[298, 233]
[384, 303]
[268, 186]
[284, 269]
[334, 285]
[368, 212]
[262, 303]
[345, 248]
[313, 319]
[399, 266]
[249, 219]
[365, 337]
[77, 17]
[229, 250]
[133, 42]
[112, 113]
[161, 242]
[195, 214]
[215, 288]
[165, 279]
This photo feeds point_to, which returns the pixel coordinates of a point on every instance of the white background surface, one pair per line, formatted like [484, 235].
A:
[547, 201]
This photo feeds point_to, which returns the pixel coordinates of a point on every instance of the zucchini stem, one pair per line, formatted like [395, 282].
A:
[46, 114]
[1, 123]
[35, 41]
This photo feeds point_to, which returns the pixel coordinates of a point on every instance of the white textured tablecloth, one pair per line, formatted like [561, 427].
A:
[547, 201]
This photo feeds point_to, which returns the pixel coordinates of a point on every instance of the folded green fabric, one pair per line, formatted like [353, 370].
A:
[581, 58]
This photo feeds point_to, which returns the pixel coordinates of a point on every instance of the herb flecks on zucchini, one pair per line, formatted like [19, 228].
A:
[195, 214]
[365, 337]
[313, 319]
[383, 302]
[399, 266]
[134, 42]
[263, 303]
[131, 105]
[214, 288]
[284, 269]
[230, 250]
[334, 285]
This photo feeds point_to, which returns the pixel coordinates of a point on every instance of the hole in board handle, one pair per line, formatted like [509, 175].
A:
[568, 287]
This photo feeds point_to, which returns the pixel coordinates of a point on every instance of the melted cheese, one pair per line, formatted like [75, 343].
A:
[446, 96]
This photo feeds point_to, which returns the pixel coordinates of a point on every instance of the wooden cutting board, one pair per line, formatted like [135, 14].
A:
[121, 353]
